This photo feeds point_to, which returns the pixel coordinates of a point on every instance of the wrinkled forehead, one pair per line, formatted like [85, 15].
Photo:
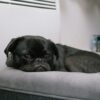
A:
[31, 45]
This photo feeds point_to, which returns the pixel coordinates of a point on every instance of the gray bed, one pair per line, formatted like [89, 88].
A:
[19, 85]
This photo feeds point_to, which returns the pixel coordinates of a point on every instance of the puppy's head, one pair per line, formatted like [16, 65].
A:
[31, 53]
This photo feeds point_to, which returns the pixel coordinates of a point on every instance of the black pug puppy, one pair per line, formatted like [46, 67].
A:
[35, 54]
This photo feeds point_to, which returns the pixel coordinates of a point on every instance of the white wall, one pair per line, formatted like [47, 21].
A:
[17, 21]
[80, 19]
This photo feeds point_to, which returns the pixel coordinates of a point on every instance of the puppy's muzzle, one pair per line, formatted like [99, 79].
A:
[35, 68]
[39, 65]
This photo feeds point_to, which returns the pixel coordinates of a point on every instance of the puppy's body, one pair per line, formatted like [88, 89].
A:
[75, 60]
[34, 53]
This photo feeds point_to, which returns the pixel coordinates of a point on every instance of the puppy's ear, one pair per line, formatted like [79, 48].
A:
[53, 48]
[11, 45]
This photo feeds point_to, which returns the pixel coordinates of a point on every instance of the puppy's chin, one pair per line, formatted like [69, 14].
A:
[35, 68]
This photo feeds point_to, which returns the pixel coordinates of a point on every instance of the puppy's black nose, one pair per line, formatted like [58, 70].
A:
[38, 60]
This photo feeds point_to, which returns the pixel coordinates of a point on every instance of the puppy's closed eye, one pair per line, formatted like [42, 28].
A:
[26, 56]
[48, 56]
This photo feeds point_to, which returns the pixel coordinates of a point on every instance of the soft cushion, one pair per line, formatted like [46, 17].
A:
[61, 85]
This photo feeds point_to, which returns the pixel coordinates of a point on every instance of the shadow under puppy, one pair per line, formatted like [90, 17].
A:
[36, 54]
